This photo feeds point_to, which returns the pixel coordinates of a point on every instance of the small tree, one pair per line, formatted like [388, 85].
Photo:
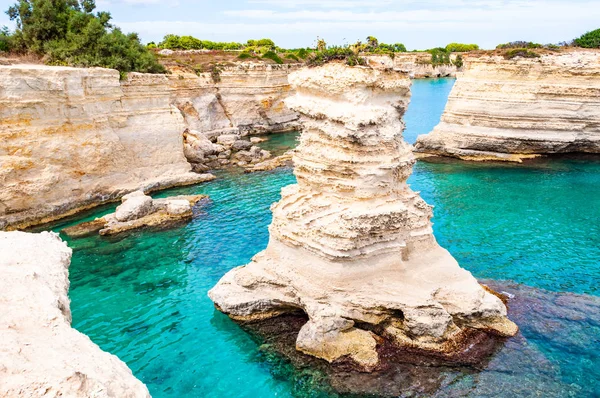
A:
[321, 44]
[372, 43]
[589, 39]
[458, 62]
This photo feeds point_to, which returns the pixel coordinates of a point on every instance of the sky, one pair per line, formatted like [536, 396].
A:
[418, 24]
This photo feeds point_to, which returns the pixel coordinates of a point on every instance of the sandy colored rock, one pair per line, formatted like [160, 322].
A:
[284, 160]
[351, 244]
[178, 207]
[73, 138]
[516, 109]
[133, 207]
[40, 354]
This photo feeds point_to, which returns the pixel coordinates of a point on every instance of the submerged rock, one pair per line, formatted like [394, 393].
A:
[139, 211]
[40, 354]
[351, 245]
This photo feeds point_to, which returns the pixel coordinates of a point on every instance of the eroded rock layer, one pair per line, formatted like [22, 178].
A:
[513, 109]
[351, 244]
[40, 354]
[72, 138]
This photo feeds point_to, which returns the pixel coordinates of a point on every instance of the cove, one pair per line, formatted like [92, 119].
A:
[531, 229]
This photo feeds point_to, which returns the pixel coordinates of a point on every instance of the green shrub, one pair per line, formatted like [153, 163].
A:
[5, 39]
[461, 48]
[245, 55]
[335, 53]
[520, 52]
[589, 39]
[302, 53]
[439, 56]
[272, 56]
[66, 32]
[519, 45]
[458, 62]
[293, 57]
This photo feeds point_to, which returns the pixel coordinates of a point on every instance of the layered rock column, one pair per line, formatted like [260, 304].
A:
[351, 244]
[514, 109]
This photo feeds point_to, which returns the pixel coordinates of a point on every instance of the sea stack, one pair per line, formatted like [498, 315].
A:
[513, 109]
[351, 244]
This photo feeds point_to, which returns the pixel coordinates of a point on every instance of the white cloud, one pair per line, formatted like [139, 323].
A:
[319, 3]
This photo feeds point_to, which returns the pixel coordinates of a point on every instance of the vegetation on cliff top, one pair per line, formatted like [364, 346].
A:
[589, 39]
[68, 32]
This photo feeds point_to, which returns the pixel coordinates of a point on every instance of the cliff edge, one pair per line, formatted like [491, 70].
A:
[40, 354]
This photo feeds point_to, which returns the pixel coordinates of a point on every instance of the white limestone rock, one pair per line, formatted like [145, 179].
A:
[178, 207]
[40, 354]
[515, 109]
[351, 244]
[134, 207]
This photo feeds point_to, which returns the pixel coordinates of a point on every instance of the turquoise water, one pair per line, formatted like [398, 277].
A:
[143, 297]
[427, 103]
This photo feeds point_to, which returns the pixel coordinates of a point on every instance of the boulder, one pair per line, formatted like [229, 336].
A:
[227, 140]
[133, 208]
[178, 207]
[241, 145]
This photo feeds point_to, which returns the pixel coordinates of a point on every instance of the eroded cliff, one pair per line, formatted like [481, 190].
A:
[351, 244]
[512, 109]
[73, 138]
[40, 354]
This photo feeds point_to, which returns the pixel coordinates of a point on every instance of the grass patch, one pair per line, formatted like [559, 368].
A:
[272, 55]
[520, 52]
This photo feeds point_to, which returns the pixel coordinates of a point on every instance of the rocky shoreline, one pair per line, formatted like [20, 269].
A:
[516, 109]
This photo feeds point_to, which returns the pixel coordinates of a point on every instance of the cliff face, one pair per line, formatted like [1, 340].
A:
[246, 99]
[72, 138]
[512, 109]
[40, 354]
[351, 244]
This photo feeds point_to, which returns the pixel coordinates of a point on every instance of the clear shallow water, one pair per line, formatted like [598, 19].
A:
[144, 299]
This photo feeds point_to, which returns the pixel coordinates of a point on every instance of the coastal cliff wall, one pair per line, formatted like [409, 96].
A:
[246, 98]
[40, 354]
[72, 138]
[513, 109]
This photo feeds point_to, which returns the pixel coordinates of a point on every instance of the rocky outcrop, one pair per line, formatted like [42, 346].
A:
[73, 138]
[242, 99]
[513, 109]
[230, 149]
[138, 211]
[40, 354]
[351, 245]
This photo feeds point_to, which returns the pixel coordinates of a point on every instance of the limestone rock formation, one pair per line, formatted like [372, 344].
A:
[241, 99]
[137, 211]
[73, 138]
[40, 354]
[350, 244]
[513, 109]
